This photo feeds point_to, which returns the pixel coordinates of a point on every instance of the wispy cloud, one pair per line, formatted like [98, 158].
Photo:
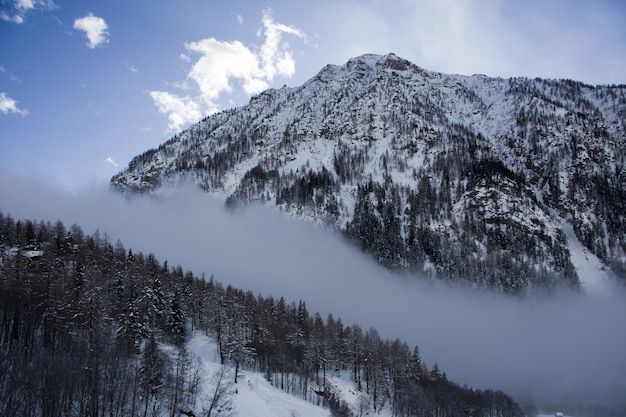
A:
[221, 62]
[8, 105]
[98, 108]
[95, 29]
[109, 160]
[133, 69]
[19, 8]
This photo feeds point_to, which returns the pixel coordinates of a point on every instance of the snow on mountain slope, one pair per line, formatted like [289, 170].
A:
[253, 395]
[464, 178]
[594, 274]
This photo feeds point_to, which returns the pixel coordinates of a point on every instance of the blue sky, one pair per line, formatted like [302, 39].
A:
[87, 85]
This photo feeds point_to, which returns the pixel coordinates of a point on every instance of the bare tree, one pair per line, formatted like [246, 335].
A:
[220, 401]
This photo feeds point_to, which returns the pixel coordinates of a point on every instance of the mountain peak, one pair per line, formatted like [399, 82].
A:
[373, 60]
[370, 59]
[390, 61]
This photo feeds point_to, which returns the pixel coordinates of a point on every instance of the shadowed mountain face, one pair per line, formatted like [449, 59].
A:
[467, 179]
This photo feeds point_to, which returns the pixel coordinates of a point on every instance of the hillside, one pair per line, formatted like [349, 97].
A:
[88, 328]
[469, 179]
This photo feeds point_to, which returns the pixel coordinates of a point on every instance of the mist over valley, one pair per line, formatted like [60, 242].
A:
[563, 349]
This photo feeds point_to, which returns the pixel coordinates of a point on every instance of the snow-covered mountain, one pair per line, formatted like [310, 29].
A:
[466, 178]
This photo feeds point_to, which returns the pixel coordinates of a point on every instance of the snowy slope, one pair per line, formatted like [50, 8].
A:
[441, 174]
[253, 395]
[593, 273]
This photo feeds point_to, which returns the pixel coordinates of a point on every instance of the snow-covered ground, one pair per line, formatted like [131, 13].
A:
[253, 395]
[593, 274]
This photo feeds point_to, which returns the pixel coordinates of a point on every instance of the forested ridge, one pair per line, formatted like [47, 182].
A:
[90, 328]
[467, 179]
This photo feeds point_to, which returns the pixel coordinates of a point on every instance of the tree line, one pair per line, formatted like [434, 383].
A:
[90, 328]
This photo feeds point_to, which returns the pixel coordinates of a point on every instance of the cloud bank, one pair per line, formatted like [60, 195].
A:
[568, 349]
[95, 29]
[218, 63]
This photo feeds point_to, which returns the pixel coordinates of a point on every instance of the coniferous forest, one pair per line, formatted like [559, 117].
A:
[91, 328]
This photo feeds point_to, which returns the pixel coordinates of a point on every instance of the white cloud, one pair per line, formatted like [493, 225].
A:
[24, 5]
[240, 19]
[8, 105]
[276, 57]
[19, 8]
[110, 161]
[220, 63]
[180, 110]
[95, 29]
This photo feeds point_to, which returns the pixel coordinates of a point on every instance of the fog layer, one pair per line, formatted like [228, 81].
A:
[565, 349]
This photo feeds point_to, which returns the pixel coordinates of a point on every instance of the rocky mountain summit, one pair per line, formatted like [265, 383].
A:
[465, 178]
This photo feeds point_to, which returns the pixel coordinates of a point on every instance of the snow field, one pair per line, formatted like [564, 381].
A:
[253, 395]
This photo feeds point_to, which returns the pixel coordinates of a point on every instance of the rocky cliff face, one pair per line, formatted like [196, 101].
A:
[470, 179]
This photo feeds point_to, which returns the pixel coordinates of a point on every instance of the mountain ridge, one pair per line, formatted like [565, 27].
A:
[463, 178]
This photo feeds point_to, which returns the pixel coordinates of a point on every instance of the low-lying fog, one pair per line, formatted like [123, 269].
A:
[566, 349]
